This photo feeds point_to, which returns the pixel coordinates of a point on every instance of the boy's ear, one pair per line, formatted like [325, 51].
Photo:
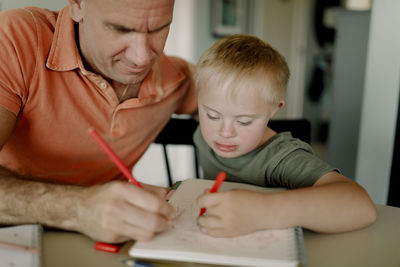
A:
[280, 105]
[76, 9]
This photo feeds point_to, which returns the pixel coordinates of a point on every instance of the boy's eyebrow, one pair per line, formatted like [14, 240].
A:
[207, 107]
[237, 116]
[126, 29]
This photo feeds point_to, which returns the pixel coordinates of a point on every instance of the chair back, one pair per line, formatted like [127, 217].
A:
[178, 132]
[300, 128]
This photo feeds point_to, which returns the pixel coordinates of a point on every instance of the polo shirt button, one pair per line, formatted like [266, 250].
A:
[103, 85]
[84, 72]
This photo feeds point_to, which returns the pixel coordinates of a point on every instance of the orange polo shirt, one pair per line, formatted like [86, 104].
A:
[44, 83]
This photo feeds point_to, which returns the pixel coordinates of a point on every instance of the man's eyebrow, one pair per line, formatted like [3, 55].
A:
[160, 28]
[126, 29]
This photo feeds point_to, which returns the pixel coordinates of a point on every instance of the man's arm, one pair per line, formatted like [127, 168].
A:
[113, 212]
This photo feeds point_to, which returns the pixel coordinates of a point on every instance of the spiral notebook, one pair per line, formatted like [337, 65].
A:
[184, 242]
[20, 245]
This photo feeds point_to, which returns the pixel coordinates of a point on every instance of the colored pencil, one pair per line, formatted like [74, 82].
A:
[218, 181]
[121, 166]
[117, 161]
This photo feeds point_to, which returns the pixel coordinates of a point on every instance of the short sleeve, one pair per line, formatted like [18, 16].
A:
[300, 168]
[189, 105]
[18, 46]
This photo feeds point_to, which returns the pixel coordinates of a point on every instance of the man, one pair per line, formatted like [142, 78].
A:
[96, 63]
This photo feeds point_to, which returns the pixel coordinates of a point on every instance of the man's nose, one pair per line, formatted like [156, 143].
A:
[139, 50]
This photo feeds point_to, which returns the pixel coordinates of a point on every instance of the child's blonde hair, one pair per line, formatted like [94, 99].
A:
[244, 62]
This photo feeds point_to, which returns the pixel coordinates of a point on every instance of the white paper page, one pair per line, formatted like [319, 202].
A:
[185, 242]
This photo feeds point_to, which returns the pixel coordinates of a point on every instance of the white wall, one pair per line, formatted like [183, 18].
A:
[181, 38]
[380, 102]
[349, 64]
[49, 4]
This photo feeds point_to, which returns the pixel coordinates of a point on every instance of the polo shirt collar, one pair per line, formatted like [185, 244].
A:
[64, 54]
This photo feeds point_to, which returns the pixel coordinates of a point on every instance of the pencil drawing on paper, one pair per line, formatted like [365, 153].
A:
[187, 230]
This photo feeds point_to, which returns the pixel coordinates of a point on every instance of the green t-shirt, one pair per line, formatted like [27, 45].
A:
[283, 161]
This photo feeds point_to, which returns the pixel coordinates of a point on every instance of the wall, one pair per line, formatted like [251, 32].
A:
[380, 101]
[181, 39]
[50, 4]
[349, 61]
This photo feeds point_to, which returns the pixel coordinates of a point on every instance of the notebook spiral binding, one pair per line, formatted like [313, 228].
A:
[37, 241]
[301, 251]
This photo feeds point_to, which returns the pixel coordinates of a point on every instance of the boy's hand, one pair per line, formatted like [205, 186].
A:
[231, 213]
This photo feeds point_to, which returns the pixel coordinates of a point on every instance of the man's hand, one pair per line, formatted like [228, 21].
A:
[118, 211]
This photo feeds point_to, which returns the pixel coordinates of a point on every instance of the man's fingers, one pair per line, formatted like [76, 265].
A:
[144, 199]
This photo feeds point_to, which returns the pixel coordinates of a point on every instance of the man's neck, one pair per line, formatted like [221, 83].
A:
[125, 92]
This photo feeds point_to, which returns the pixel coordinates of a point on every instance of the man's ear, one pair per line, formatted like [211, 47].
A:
[76, 9]
[280, 105]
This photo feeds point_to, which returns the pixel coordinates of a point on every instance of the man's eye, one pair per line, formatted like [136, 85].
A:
[211, 117]
[121, 30]
[118, 29]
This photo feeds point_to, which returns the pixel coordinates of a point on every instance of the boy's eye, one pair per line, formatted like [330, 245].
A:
[244, 123]
[212, 117]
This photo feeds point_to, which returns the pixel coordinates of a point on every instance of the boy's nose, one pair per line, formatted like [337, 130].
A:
[227, 130]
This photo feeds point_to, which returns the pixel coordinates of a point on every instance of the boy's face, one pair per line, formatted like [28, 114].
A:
[233, 125]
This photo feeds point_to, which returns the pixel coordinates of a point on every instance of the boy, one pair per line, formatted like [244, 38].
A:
[241, 83]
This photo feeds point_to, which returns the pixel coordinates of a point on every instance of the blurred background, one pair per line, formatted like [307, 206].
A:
[345, 75]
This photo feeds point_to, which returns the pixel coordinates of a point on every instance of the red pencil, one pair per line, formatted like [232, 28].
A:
[111, 154]
[106, 247]
[121, 166]
[218, 181]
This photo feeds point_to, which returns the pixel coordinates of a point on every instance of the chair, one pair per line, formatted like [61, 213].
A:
[300, 128]
[180, 131]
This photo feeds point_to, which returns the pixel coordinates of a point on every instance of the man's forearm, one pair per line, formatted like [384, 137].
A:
[27, 201]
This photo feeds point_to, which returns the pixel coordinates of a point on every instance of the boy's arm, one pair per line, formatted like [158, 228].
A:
[334, 204]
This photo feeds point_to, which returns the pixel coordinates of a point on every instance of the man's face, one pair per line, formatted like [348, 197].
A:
[121, 39]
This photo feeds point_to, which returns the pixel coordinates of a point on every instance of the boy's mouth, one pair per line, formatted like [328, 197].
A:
[225, 148]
